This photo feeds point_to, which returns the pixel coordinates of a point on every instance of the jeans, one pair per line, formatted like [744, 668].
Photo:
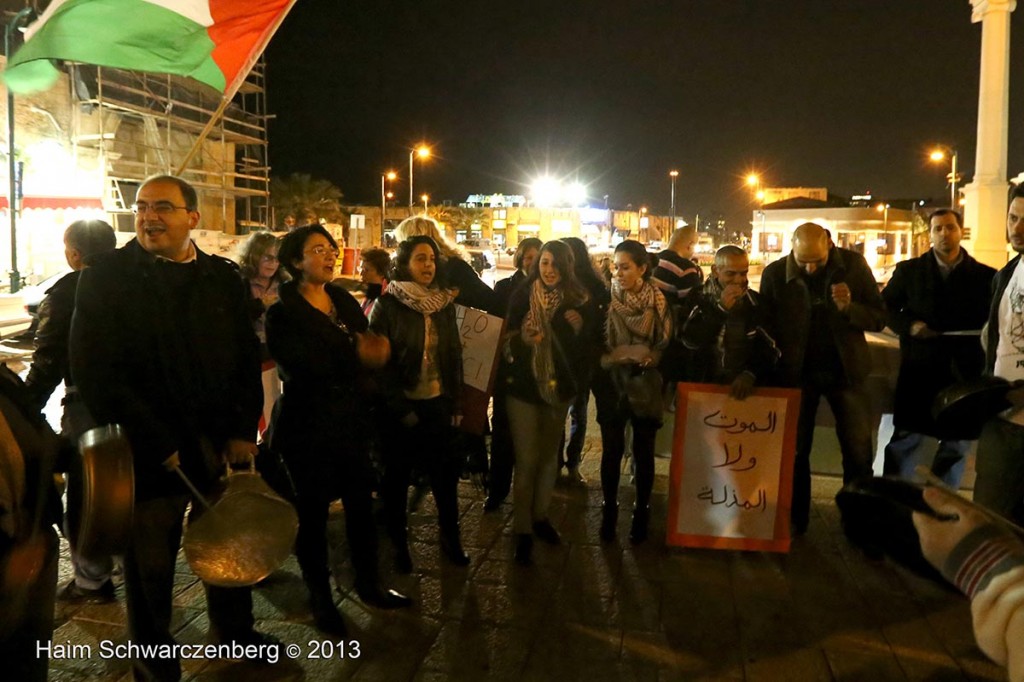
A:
[571, 451]
[149, 582]
[903, 454]
[853, 427]
[1000, 466]
[536, 429]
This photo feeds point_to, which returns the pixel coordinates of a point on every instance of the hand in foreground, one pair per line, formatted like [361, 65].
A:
[732, 293]
[939, 537]
[921, 330]
[575, 320]
[742, 386]
[373, 350]
[841, 296]
[237, 451]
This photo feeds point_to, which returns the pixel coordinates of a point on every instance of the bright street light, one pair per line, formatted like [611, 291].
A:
[941, 154]
[422, 151]
[753, 180]
[673, 174]
[545, 191]
[384, 196]
[425, 198]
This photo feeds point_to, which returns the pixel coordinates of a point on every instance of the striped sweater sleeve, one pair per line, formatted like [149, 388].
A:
[988, 566]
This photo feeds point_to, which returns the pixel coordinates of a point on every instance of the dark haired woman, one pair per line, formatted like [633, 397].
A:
[421, 385]
[637, 330]
[547, 317]
[316, 333]
[499, 478]
[571, 452]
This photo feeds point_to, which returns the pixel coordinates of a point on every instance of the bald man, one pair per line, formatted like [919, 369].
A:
[821, 299]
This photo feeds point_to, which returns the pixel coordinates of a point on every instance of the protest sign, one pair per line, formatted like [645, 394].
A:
[731, 476]
[481, 338]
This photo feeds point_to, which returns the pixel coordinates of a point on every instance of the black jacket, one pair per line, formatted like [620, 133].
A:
[991, 332]
[50, 360]
[960, 302]
[788, 300]
[405, 328]
[171, 356]
[571, 363]
[321, 419]
[726, 343]
[503, 290]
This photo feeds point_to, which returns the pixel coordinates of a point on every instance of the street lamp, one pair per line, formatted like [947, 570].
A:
[884, 210]
[423, 152]
[940, 154]
[425, 198]
[22, 17]
[384, 195]
[673, 174]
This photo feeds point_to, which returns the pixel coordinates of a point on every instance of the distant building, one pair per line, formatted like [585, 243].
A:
[773, 195]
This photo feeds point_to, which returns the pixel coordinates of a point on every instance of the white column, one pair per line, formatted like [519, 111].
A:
[985, 197]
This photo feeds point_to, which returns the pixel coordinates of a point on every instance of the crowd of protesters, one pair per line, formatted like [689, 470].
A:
[169, 342]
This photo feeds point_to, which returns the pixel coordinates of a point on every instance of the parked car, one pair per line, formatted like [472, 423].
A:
[481, 257]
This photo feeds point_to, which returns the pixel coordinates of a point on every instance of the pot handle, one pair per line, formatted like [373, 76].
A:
[229, 472]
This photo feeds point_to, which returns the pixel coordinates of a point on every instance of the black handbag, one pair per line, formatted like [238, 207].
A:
[642, 388]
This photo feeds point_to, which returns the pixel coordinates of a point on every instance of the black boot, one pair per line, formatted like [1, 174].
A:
[325, 613]
[609, 520]
[403, 560]
[451, 547]
[524, 549]
[638, 530]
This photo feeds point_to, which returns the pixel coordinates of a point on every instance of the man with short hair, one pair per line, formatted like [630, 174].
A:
[724, 329]
[84, 242]
[821, 300]
[1000, 459]
[162, 345]
[932, 301]
[678, 277]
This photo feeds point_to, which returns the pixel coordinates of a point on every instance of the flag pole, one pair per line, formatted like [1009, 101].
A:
[233, 87]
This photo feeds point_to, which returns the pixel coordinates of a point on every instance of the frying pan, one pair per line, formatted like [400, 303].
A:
[101, 493]
[962, 409]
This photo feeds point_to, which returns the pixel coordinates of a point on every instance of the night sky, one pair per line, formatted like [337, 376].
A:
[847, 94]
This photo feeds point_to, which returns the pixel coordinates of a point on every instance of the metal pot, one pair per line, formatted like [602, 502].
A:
[244, 536]
[101, 493]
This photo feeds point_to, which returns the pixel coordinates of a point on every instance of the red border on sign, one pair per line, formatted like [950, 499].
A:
[780, 540]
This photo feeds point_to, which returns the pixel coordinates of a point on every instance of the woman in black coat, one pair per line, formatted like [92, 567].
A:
[421, 385]
[316, 334]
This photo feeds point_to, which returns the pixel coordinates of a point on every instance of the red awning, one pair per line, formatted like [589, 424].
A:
[56, 202]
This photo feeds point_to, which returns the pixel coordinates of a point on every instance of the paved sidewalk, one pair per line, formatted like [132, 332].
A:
[592, 611]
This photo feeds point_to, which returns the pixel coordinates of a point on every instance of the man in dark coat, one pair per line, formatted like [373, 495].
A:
[821, 300]
[679, 278]
[725, 328]
[162, 345]
[930, 299]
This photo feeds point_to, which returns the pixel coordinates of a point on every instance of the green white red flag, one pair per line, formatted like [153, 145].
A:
[213, 41]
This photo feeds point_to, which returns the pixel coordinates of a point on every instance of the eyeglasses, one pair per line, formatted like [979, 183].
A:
[321, 250]
[160, 207]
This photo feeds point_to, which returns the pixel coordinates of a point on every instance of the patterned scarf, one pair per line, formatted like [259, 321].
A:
[638, 317]
[543, 304]
[420, 298]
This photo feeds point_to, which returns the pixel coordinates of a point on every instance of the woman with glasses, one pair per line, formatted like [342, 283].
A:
[262, 275]
[318, 336]
[421, 386]
[628, 389]
[546, 320]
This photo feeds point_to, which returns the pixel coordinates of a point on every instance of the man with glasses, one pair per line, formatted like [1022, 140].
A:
[162, 345]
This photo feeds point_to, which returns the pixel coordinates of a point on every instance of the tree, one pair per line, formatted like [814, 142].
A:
[305, 200]
[458, 218]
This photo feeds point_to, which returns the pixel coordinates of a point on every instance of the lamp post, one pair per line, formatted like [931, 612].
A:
[884, 210]
[754, 182]
[673, 174]
[26, 13]
[389, 176]
[425, 198]
[940, 154]
[423, 152]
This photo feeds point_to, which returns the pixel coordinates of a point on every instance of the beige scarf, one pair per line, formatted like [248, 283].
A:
[543, 304]
[424, 300]
[638, 317]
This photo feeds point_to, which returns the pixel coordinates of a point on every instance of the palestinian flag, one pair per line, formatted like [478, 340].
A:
[213, 41]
